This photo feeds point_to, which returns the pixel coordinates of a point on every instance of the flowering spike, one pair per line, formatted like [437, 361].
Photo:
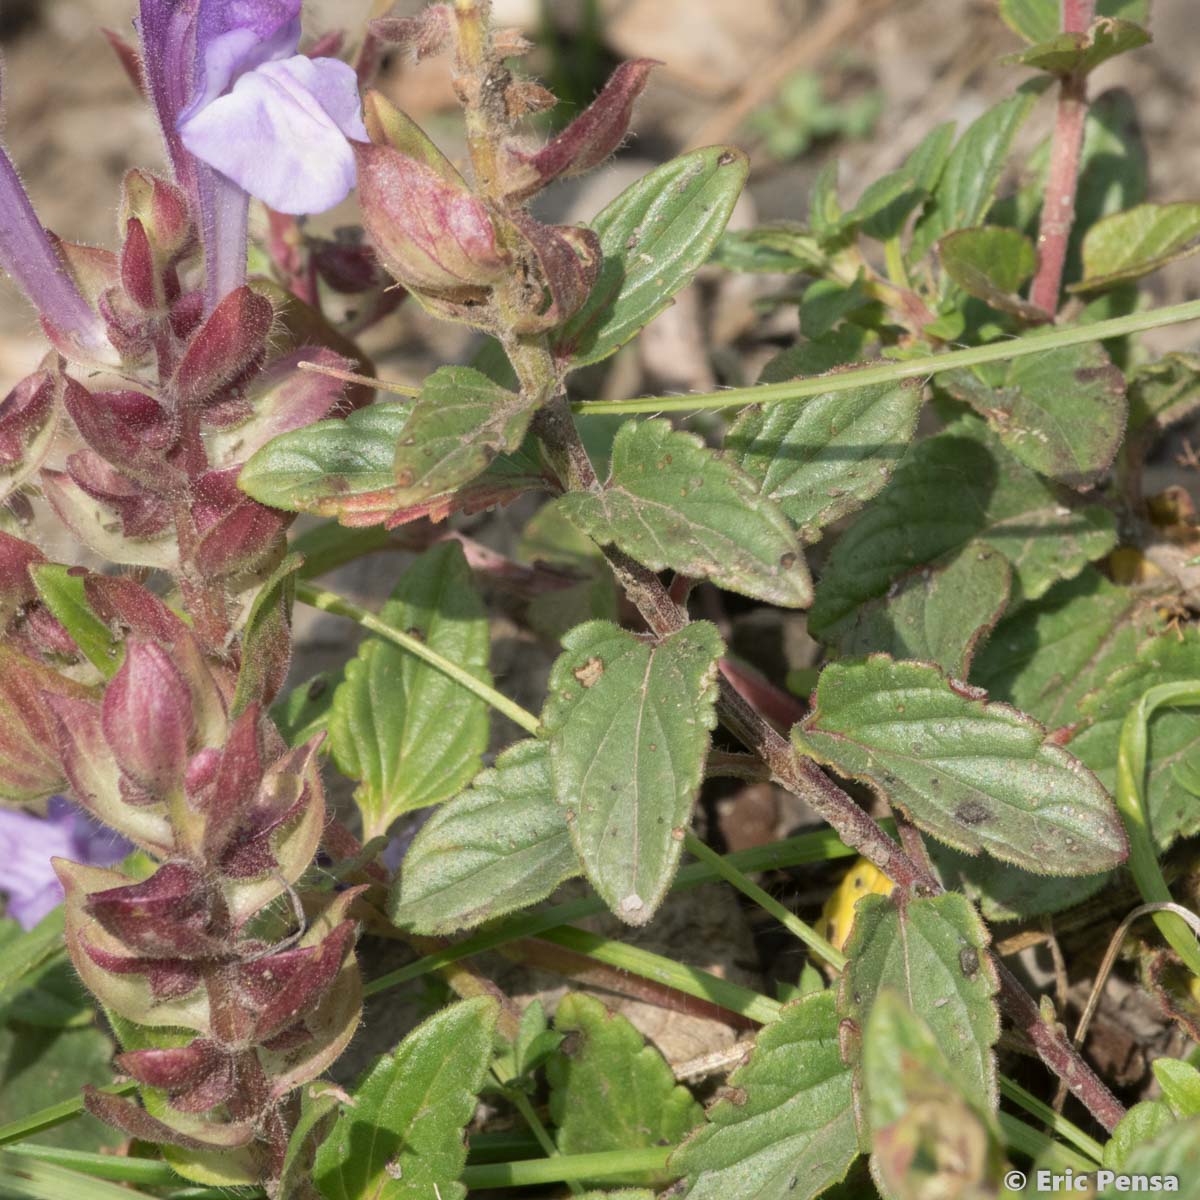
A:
[588, 140]
[147, 717]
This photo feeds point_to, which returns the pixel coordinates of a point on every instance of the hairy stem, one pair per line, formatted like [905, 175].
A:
[1058, 205]
[804, 778]
[912, 368]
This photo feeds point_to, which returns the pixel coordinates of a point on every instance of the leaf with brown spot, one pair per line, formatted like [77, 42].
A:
[977, 775]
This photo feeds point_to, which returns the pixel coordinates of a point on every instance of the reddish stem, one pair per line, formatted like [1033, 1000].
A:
[1058, 208]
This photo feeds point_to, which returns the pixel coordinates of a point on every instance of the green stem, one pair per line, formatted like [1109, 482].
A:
[692, 981]
[522, 1104]
[792, 923]
[566, 1167]
[1052, 1120]
[1042, 1148]
[1131, 803]
[149, 1171]
[893, 253]
[56, 1114]
[913, 368]
[329, 602]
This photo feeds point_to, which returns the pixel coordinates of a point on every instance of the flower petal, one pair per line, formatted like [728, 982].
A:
[281, 134]
[235, 36]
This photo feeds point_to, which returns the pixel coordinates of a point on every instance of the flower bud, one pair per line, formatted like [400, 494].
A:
[236, 532]
[422, 35]
[170, 915]
[162, 211]
[140, 271]
[434, 237]
[24, 414]
[293, 982]
[196, 1077]
[233, 339]
[587, 141]
[16, 584]
[147, 717]
[108, 428]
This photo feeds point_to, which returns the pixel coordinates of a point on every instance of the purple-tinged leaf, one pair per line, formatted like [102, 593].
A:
[170, 915]
[16, 584]
[29, 418]
[108, 423]
[588, 140]
[293, 983]
[138, 1123]
[565, 261]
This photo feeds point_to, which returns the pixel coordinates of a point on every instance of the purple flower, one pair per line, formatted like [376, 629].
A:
[244, 115]
[27, 254]
[275, 122]
[28, 843]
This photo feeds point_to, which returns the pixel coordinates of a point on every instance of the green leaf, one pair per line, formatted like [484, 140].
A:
[412, 735]
[972, 171]
[404, 1136]
[1142, 1123]
[346, 469]
[1180, 1083]
[629, 723]
[785, 1130]
[938, 614]
[827, 301]
[460, 423]
[784, 247]
[61, 590]
[317, 1112]
[840, 346]
[1061, 413]
[1163, 392]
[672, 502]
[1130, 244]
[928, 1136]
[824, 208]
[1174, 740]
[1048, 654]
[1175, 1151]
[324, 468]
[267, 637]
[654, 237]
[41, 1066]
[933, 952]
[992, 263]
[26, 952]
[977, 775]
[1081, 53]
[953, 488]
[305, 709]
[883, 210]
[608, 1089]
[822, 457]
[1041, 20]
[501, 846]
